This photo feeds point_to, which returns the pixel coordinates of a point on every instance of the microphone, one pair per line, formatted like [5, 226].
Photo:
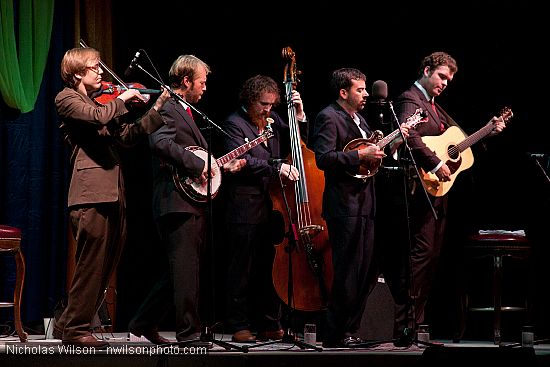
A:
[537, 155]
[132, 63]
[274, 161]
[379, 92]
[379, 95]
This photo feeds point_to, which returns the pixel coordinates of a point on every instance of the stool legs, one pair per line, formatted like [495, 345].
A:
[17, 294]
[497, 301]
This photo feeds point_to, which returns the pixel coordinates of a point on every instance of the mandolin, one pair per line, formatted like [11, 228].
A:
[370, 167]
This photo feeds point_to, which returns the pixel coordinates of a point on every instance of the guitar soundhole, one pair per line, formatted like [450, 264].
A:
[453, 152]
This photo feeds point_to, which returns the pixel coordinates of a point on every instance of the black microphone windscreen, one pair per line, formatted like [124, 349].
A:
[379, 90]
[131, 67]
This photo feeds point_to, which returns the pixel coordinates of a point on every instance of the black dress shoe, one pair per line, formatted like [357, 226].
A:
[403, 341]
[192, 340]
[351, 341]
[347, 342]
[88, 341]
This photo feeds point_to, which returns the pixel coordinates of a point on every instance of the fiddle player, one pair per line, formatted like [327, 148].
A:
[96, 198]
[348, 205]
[252, 302]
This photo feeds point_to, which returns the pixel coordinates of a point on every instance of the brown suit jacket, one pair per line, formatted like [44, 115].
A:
[95, 133]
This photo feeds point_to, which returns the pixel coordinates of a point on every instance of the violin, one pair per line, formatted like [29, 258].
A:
[110, 91]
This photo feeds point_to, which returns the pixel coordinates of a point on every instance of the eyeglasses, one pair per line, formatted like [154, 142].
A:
[94, 68]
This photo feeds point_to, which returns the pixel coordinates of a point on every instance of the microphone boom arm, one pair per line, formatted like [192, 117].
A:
[178, 97]
[408, 149]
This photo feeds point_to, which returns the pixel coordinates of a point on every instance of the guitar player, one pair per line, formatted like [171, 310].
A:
[435, 73]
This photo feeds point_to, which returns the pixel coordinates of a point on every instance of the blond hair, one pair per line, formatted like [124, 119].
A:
[185, 66]
[75, 61]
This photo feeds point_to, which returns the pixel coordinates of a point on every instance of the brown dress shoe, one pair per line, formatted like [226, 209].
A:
[271, 334]
[88, 341]
[243, 336]
[152, 335]
[57, 333]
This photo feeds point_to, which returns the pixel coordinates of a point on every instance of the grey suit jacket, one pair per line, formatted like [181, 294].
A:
[168, 146]
[248, 191]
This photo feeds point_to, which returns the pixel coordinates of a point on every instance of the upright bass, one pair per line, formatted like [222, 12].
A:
[307, 245]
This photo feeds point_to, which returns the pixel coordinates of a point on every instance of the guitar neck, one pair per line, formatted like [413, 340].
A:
[475, 137]
[388, 139]
[241, 150]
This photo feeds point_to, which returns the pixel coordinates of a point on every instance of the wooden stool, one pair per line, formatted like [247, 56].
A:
[497, 245]
[10, 242]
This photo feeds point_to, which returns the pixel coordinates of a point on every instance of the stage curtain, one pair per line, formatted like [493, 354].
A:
[25, 34]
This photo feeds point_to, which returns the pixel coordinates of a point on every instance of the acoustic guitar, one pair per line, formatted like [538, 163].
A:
[453, 148]
[370, 167]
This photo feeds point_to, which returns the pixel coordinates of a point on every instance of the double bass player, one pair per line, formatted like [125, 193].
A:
[252, 302]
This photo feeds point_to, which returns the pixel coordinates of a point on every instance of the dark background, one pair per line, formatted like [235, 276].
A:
[498, 48]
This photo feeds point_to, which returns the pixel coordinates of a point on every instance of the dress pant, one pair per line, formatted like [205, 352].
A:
[427, 239]
[355, 274]
[100, 233]
[251, 296]
[183, 236]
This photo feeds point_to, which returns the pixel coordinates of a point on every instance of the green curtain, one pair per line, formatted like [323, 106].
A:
[23, 54]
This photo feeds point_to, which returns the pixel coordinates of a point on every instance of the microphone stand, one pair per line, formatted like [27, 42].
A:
[541, 168]
[409, 330]
[178, 97]
[206, 332]
[412, 298]
[413, 161]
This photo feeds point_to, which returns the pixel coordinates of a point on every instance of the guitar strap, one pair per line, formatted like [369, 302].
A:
[449, 119]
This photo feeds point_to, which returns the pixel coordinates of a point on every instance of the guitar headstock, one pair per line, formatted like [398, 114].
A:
[506, 114]
[417, 117]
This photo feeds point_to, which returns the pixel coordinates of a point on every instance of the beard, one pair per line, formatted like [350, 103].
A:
[259, 119]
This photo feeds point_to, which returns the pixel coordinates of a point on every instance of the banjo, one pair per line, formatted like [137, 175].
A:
[198, 191]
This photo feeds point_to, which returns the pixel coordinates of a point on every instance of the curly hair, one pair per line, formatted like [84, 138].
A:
[436, 59]
[254, 87]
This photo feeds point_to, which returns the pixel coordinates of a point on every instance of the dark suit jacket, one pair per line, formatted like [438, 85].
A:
[344, 195]
[248, 198]
[168, 146]
[406, 105]
[95, 133]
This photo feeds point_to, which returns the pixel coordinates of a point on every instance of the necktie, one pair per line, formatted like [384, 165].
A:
[441, 126]
[188, 109]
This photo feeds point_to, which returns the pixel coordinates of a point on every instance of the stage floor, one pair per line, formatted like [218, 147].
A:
[137, 352]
